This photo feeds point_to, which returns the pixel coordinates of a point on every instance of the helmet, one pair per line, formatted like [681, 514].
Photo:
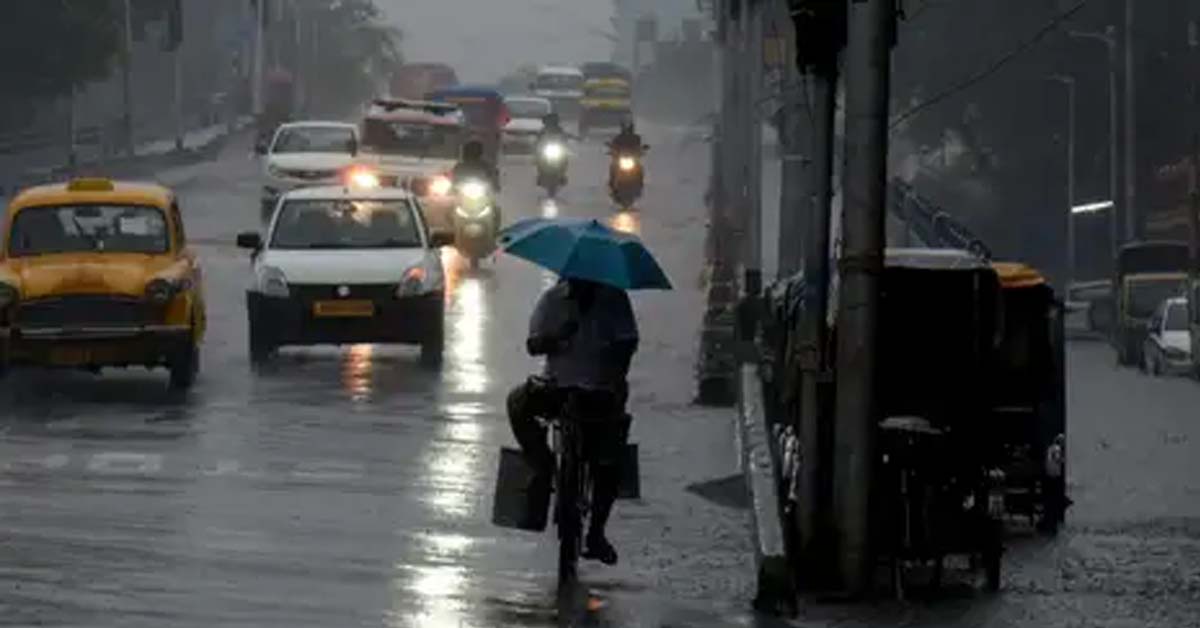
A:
[472, 150]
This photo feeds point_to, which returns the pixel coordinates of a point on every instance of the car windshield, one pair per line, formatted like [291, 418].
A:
[1177, 319]
[559, 81]
[608, 91]
[412, 139]
[1145, 296]
[528, 108]
[346, 224]
[89, 229]
[314, 139]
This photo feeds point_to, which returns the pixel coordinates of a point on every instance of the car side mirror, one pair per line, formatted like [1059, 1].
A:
[439, 239]
[249, 240]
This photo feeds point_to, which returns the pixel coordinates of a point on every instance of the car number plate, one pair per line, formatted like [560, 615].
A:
[344, 309]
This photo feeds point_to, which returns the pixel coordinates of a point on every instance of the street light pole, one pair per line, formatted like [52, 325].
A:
[127, 78]
[1132, 221]
[1109, 39]
[1070, 83]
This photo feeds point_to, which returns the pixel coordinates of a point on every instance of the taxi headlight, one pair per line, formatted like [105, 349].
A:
[272, 282]
[413, 282]
[8, 295]
[627, 163]
[553, 152]
[440, 186]
[161, 291]
[473, 190]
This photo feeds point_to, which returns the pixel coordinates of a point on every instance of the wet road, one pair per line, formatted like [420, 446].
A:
[348, 486]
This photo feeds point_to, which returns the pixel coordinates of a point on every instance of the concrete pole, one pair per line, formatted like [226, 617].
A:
[256, 73]
[752, 251]
[1132, 212]
[868, 69]
[1069, 267]
[178, 97]
[127, 79]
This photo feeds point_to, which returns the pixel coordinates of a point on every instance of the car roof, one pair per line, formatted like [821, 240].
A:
[121, 192]
[532, 99]
[560, 69]
[317, 123]
[340, 192]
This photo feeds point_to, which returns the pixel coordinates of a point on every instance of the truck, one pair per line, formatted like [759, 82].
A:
[1147, 273]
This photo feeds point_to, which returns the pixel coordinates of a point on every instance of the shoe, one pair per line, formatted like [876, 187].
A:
[598, 548]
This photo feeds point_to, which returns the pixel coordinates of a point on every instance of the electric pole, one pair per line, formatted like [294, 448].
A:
[1132, 213]
[127, 78]
[868, 68]
[256, 73]
[175, 45]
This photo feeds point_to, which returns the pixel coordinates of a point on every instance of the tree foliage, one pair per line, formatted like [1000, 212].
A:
[357, 49]
[47, 47]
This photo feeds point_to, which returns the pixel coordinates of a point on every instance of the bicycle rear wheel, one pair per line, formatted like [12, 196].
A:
[570, 523]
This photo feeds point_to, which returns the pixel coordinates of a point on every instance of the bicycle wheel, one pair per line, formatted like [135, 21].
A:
[570, 522]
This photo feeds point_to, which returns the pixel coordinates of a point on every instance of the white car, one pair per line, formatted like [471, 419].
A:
[522, 130]
[1168, 346]
[346, 265]
[306, 154]
[562, 86]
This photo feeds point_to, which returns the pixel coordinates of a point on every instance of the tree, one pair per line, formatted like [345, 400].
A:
[48, 47]
[357, 50]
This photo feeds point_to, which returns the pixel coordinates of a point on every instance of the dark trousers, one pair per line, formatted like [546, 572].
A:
[605, 432]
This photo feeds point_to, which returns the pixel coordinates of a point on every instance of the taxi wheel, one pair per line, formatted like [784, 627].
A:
[261, 349]
[184, 368]
[434, 345]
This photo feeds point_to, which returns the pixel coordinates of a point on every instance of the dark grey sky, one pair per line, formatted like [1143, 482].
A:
[485, 39]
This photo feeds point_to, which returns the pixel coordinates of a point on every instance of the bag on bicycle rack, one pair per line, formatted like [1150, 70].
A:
[516, 505]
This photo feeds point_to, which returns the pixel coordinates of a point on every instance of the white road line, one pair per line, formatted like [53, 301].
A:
[329, 470]
[125, 463]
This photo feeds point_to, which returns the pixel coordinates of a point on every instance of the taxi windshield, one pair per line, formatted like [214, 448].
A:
[411, 139]
[314, 139]
[346, 224]
[89, 229]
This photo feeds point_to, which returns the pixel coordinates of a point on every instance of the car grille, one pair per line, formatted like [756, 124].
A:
[311, 175]
[84, 311]
[308, 293]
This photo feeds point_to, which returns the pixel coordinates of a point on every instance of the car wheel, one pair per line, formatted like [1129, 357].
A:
[434, 345]
[184, 367]
[261, 348]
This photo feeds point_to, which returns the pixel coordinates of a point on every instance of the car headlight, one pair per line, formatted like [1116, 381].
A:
[553, 152]
[440, 186]
[160, 291]
[8, 295]
[363, 178]
[275, 171]
[473, 190]
[413, 282]
[627, 163]
[272, 282]
[1176, 353]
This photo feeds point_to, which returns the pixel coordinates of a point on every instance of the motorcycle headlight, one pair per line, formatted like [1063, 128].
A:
[161, 291]
[8, 295]
[627, 163]
[440, 186]
[473, 212]
[473, 190]
[413, 282]
[272, 282]
[553, 152]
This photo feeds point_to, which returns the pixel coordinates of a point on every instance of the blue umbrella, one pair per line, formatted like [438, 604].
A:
[585, 249]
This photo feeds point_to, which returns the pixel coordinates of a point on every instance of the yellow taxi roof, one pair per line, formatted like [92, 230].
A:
[93, 191]
[1017, 275]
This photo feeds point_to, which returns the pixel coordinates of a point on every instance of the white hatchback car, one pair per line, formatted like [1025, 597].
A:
[1168, 347]
[346, 265]
[306, 154]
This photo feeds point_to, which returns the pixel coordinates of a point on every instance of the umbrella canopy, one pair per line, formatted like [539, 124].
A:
[585, 249]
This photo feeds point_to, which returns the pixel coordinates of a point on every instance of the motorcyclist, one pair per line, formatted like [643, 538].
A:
[626, 142]
[473, 165]
[552, 129]
[588, 334]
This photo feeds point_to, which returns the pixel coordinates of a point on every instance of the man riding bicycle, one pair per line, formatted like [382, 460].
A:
[588, 334]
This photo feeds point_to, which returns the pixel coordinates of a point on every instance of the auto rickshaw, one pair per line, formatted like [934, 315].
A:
[935, 488]
[1028, 392]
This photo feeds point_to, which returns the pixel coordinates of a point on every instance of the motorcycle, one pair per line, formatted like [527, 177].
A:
[626, 176]
[552, 166]
[476, 220]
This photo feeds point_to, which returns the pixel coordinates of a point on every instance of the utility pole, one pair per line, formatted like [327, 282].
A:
[175, 41]
[1194, 191]
[1132, 214]
[127, 79]
[752, 21]
[1109, 39]
[821, 35]
[871, 25]
[256, 73]
[1069, 82]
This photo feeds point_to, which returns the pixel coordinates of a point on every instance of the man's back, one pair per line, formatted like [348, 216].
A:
[604, 337]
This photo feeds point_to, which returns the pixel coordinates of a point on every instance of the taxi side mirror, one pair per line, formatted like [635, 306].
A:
[249, 240]
[439, 239]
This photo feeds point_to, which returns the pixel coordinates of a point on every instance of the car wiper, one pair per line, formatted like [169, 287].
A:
[91, 238]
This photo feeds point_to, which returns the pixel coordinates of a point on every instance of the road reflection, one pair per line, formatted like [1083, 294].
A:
[627, 221]
[549, 208]
[468, 317]
[358, 371]
[439, 591]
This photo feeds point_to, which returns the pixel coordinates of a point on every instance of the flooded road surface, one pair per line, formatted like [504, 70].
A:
[350, 486]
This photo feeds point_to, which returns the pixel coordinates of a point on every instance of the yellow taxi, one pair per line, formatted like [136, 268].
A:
[96, 273]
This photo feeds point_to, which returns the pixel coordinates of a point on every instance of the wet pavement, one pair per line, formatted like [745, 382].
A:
[349, 486]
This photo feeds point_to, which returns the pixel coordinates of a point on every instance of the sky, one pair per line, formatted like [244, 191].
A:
[486, 39]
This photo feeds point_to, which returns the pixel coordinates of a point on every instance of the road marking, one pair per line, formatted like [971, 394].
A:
[329, 470]
[51, 462]
[125, 463]
[227, 467]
